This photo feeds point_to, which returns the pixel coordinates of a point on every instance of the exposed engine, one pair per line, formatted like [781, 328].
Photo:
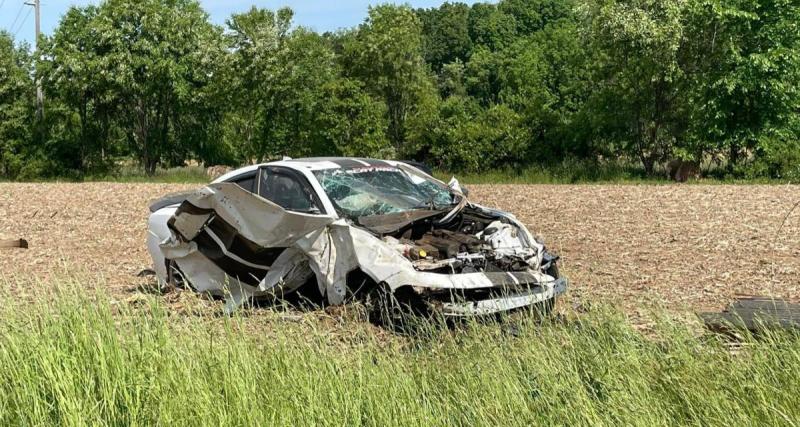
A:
[472, 243]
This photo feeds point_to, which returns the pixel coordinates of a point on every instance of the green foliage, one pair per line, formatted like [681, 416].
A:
[544, 78]
[16, 108]
[744, 89]
[481, 76]
[257, 38]
[132, 74]
[445, 34]
[469, 138]
[280, 76]
[292, 98]
[640, 69]
[531, 16]
[386, 53]
[516, 84]
[452, 79]
[351, 122]
[491, 28]
[778, 156]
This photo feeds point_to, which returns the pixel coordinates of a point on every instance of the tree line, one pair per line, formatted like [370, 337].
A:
[461, 87]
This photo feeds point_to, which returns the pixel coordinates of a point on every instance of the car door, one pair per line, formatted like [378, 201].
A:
[288, 189]
[225, 231]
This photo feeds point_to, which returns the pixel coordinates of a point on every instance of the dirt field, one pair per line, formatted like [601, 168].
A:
[684, 247]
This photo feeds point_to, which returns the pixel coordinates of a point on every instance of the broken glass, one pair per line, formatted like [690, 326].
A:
[381, 190]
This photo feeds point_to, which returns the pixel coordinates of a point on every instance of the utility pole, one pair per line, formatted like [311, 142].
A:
[39, 93]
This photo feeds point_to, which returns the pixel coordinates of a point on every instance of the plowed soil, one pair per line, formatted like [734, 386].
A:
[683, 247]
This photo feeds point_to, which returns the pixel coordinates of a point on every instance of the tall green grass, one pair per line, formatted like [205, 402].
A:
[133, 173]
[76, 357]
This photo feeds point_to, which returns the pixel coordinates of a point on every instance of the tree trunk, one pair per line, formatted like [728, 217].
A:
[142, 136]
[150, 166]
[733, 156]
[647, 157]
[82, 112]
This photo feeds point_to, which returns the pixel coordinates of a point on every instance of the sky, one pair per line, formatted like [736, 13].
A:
[320, 15]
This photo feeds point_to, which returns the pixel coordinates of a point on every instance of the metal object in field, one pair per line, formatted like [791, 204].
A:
[755, 313]
[13, 243]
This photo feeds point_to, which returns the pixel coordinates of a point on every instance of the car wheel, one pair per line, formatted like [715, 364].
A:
[397, 310]
[175, 278]
[382, 306]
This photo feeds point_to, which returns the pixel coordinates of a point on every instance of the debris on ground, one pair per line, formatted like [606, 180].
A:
[754, 313]
[13, 243]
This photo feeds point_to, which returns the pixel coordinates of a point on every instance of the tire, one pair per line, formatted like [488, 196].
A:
[397, 310]
[382, 306]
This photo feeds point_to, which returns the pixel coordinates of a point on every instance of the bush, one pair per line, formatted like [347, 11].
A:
[778, 160]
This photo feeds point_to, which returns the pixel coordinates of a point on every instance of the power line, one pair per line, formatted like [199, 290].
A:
[24, 20]
[2, 3]
[19, 12]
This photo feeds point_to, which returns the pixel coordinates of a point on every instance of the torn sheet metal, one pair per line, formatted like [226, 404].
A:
[228, 241]
[252, 217]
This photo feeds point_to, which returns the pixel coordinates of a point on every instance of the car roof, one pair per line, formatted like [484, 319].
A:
[341, 162]
[314, 163]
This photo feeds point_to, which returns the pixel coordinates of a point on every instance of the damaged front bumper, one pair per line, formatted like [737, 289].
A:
[512, 295]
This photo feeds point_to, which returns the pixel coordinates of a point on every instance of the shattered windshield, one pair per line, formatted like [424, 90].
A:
[371, 191]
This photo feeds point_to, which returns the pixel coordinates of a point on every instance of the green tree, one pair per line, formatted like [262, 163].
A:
[257, 38]
[452, 79]
[545, 78]
[445, 34]
[351, 122]
[308, 67]
[386, 54]
[158, 56]
[531, 16]
[465, 136]
[282, 76]
[463, 87]
[638, 74]
[490, 27]
[481, 75]
[16, 106]
[745, 58]
[82, 103]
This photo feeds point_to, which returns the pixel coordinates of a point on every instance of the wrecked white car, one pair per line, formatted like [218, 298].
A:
[350, 228]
